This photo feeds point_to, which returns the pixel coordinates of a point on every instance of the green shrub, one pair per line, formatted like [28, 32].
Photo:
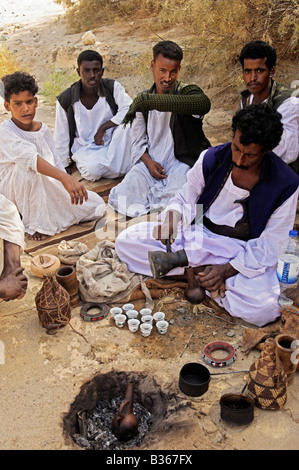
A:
[58, 80]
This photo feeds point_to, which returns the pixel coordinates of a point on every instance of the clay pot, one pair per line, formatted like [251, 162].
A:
[194, 379]
[194, 293]
[66, 276]
[237, 408]
[44, 265]
[125, 423]
[283, 343]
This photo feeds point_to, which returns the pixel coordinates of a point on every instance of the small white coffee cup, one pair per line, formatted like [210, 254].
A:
[159, 316]
[162, 326]
[145, 311]
[146, 329]
[132, 313]
[115, 310]
[147, 319]
[120, 320]
[128, 307]
[133, 324]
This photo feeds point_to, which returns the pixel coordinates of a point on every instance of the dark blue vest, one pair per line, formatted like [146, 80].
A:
[276, 184]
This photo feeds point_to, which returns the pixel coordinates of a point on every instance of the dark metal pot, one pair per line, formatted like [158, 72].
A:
[237, 408]
[194, 379]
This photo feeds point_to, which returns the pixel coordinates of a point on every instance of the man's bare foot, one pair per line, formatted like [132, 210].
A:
[14, 285]
[37, 236]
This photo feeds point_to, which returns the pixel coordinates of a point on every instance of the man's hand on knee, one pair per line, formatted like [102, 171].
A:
[213, 276]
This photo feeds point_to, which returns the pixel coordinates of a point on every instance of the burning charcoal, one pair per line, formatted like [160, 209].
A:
[97, 426]
[91, 428]
[82, 441]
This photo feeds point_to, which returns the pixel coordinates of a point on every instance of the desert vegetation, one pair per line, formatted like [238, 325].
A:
[213, 31]
[8, 63]
[58, 80]
[215, 28]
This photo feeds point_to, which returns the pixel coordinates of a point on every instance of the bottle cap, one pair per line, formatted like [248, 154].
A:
[293, 233]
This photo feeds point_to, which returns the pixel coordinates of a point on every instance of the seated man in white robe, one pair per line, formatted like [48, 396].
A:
[31, 174]
[13, 283]
[167, 136]
[88, 125]
[248, 197]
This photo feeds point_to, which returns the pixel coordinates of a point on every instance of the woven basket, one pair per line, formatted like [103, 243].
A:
[267, 383]
[53, 305]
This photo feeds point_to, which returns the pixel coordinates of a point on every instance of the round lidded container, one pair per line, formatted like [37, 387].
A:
[44, 265]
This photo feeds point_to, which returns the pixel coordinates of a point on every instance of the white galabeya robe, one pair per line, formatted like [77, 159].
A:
[288, 147]
[253, 293]
[139, 191]
[109, 160]
[42, 201]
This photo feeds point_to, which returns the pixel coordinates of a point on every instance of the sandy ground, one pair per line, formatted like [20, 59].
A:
[41, 375]
[19, 11]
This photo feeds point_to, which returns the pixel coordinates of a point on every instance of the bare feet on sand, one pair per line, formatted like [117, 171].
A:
[36, 236]
[13, 285]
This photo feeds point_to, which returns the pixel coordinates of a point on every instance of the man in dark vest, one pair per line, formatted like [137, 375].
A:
[167, 136]
[230, 217]
[88, 122]
[258, 60]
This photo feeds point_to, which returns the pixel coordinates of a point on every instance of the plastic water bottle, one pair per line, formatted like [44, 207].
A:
[288, 266]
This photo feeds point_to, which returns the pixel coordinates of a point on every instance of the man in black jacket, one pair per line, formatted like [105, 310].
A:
[167, 136]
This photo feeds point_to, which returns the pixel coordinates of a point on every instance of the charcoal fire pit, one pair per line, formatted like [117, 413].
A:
[88, 421]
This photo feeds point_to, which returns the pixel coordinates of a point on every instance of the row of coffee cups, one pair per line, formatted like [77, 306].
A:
[130, 316]
[146, 328]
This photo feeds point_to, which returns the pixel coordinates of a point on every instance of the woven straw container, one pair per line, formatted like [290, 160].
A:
[267, 383]
[53, 305]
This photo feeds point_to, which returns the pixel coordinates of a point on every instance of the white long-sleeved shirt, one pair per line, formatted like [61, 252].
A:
[288, 147]
[88, 121]
[259, 253]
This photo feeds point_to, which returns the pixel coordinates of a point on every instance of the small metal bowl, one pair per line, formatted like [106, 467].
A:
[194, 379]
[237, 408]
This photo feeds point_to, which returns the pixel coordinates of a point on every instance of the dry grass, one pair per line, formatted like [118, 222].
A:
[216, 24]
[8, 64]
[214, 31]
